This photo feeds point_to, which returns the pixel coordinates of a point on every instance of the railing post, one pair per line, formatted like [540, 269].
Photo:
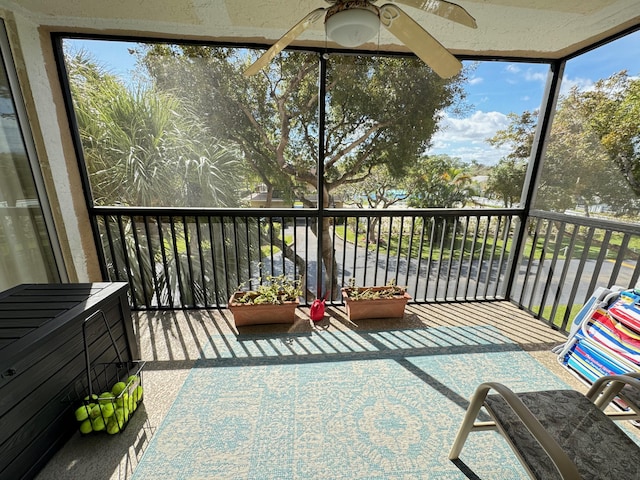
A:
[320, 172]
[545, 119]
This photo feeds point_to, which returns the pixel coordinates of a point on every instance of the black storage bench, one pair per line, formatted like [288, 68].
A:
[42, 363]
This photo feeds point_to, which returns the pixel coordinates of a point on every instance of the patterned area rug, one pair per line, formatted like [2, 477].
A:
[326, 405]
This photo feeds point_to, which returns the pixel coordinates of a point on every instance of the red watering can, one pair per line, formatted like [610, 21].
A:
[316, 312]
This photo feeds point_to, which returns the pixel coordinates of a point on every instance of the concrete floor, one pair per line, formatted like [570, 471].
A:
[171, 342]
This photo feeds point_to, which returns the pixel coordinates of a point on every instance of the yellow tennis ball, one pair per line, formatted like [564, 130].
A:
[120, 416]
[112, 426]
[107, 409]
[82, 413]
[85, 427]
[138, 393]
[122, 400]
[98, 424]
[118, 388]
[105, 397]
[93, 397]
[95, 412]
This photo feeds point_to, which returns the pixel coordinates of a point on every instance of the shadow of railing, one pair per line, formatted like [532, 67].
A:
[334, 346]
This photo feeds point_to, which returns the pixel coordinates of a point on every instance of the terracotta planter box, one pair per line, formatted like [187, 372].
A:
[375, 308]
[247, 314]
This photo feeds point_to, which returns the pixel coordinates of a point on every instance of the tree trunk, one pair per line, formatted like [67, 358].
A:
[331, 288]
[290, 254]
[373, 230]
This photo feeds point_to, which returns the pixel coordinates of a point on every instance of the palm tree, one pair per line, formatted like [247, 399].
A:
[147, 148]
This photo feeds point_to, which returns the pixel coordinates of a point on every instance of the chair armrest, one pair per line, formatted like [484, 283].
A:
[610, 386]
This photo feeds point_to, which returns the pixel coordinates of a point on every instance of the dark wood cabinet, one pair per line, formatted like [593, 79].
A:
[43, 363]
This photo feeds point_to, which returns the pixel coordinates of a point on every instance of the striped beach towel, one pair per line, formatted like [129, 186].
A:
[615, 336]
[626, 309]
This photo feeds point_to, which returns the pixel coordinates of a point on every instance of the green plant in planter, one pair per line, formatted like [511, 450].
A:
[375, 302]
[274, 290]
[390, 290]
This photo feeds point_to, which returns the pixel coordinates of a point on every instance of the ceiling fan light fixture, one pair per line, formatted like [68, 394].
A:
[352, 27]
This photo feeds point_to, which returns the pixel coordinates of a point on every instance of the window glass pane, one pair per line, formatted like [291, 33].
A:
[420, 141]
[171, 125]
[180, 125]
[26, 255]
[591, 166]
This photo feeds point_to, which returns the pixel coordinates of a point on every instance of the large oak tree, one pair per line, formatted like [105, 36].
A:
[592, 153]
[379, 111]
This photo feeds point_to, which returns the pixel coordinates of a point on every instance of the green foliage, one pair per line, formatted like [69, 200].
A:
[592, 153]
[380, 111]
[519, 135]
[438, 181]
[613, 112]
[272, 290]
[578, 170]
[506, 180]
[379, 189]
[189, 266]
[143, 147]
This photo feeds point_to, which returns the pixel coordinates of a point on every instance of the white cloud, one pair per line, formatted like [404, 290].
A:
[475, 80]
[479, 126]
[583, 84]
[533, 76]
[517, 74]
[465, 138]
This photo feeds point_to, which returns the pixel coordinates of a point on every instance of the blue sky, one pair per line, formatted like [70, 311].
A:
[494, 90]
[497, 88]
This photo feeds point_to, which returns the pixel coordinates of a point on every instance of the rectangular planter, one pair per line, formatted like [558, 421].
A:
[248, 314]
[375, 308]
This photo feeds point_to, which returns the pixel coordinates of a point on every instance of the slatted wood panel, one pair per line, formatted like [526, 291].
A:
[42, 363]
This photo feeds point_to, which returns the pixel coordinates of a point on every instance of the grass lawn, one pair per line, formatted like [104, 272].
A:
[400, 247]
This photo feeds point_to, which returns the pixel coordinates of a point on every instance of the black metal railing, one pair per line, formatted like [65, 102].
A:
[440, 255]
[196, 258]
[565, 258]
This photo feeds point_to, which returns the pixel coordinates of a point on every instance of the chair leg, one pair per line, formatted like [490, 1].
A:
[469, 419]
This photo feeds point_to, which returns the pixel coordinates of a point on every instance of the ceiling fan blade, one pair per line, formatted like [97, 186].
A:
[444, 9]
[409, 32]
[285, 40]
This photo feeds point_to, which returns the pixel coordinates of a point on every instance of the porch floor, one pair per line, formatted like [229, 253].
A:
[171, 342]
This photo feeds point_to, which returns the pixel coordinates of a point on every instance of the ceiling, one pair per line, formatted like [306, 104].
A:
[512, 28]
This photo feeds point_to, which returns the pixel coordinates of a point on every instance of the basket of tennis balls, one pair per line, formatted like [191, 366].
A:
[110, 410]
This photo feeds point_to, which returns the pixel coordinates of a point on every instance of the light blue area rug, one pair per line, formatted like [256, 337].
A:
[352, 405]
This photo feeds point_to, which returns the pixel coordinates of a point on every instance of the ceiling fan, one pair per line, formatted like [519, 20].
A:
[353, 22]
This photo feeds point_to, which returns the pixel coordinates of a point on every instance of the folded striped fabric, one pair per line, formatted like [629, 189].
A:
[606, 330]
[626, 309]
